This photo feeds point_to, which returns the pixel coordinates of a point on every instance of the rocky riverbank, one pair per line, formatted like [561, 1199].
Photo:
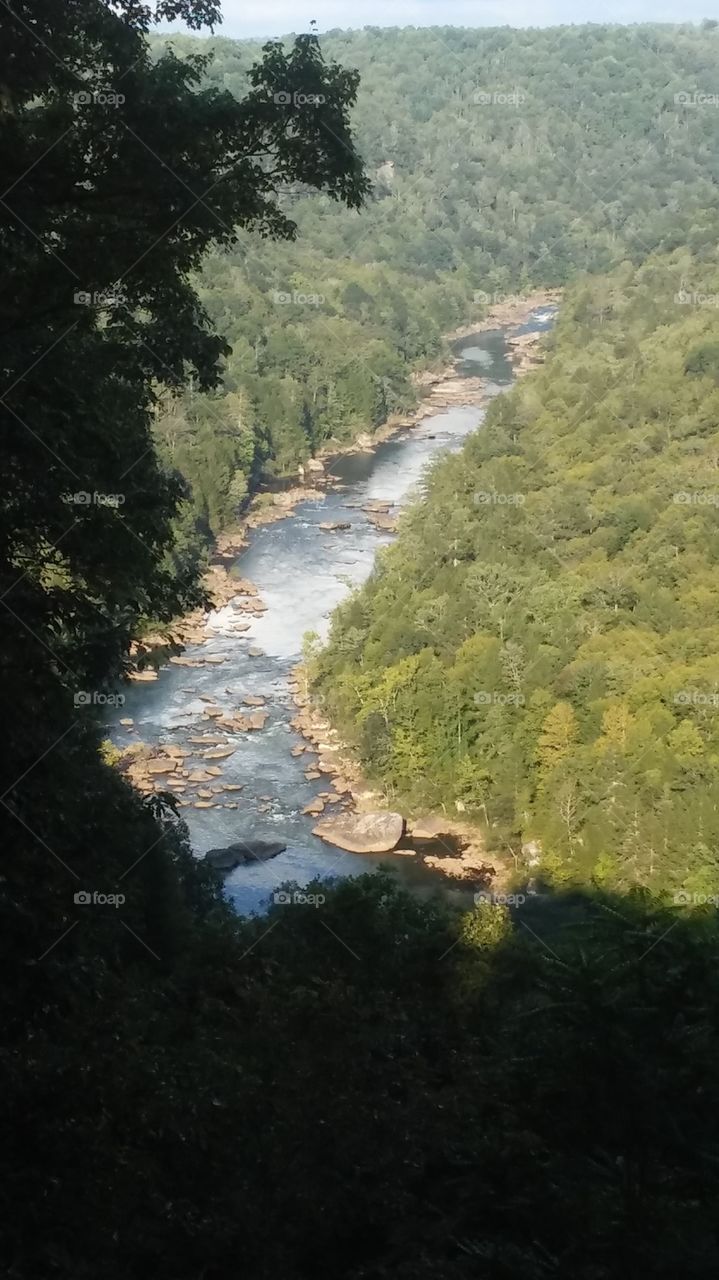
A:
[209, 764]
[507, 312]
[452, 847]
[439, 390]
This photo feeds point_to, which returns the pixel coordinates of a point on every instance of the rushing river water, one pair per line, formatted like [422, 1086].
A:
[301, 574]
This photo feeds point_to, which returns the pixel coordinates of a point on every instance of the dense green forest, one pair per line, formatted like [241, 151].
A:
[540, 646]
[375, 1085]
[500, 160]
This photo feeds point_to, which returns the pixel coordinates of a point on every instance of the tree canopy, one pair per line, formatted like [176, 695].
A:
[550, 661]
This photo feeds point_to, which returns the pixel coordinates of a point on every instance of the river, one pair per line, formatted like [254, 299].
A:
[301, 574]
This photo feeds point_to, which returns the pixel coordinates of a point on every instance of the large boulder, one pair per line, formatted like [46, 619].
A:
[243, 853]
[362, 832]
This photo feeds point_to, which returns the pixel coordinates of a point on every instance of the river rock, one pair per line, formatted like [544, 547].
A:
[243, 853]
[218, 753]
[254, 700]
[213, 770]
[343, 786]
[257, 719]
[334, 526]
[386, 524]
[314, 807]
[430, 828]
[362, 832]
[161, 766]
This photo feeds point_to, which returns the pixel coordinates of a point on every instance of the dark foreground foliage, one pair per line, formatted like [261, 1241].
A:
[371, 1087]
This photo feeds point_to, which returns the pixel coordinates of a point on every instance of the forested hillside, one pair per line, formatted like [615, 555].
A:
[540, 646]
[500, 159]
[368, 1085]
